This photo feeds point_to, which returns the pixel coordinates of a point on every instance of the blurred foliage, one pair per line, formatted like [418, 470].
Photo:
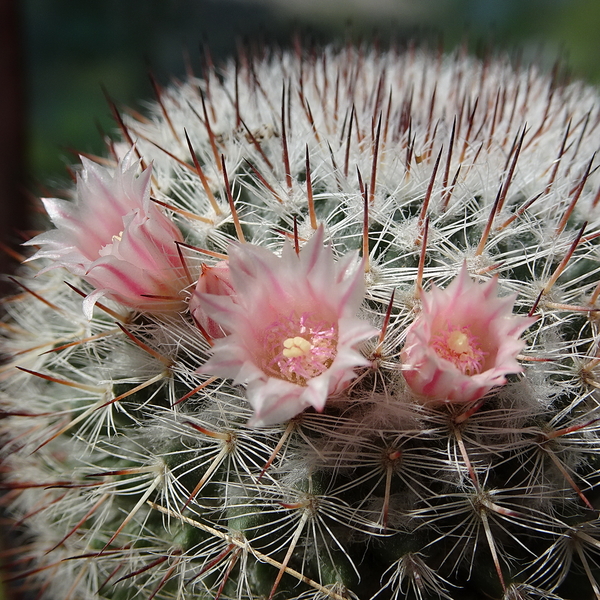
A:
[74, 47]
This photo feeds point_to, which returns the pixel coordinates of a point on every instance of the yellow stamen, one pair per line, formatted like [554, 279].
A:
[295, 347]
[459, 342]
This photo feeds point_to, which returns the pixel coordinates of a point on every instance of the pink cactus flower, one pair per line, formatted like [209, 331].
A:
[463, 343]
[293, 327]
[117, 239]
[214, 280]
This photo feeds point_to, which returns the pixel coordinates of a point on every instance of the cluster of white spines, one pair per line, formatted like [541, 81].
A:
[126, 445]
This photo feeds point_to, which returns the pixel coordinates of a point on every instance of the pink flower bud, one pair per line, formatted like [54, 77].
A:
[214, 280]
[117, 239]
[463, 343]
[292, 326]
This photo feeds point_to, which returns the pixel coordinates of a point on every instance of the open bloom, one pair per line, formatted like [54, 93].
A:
[116, 238]
[292, 326]
[464, 342]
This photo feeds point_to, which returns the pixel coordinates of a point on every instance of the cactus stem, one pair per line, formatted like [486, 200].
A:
[472, 487]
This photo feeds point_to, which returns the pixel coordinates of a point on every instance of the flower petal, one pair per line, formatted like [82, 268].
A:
[117, 239]
[293, 330]
[463, 343]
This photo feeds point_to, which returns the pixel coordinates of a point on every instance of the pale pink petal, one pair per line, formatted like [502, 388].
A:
[293, 327]
[464, 342]
[274, 401]
[216, 281]
[117, 239]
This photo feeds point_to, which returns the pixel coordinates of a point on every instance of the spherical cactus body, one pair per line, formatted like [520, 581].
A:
[321, 325]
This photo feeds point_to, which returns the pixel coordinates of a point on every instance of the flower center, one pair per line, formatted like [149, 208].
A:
[460, 347]
[112, 246]
[298, 348]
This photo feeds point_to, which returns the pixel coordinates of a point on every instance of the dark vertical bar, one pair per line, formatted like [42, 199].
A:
[13, 197]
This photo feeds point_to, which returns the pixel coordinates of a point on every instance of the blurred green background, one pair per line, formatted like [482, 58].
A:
[72, 47]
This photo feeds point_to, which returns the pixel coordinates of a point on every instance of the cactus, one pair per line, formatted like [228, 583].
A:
[421, 231]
